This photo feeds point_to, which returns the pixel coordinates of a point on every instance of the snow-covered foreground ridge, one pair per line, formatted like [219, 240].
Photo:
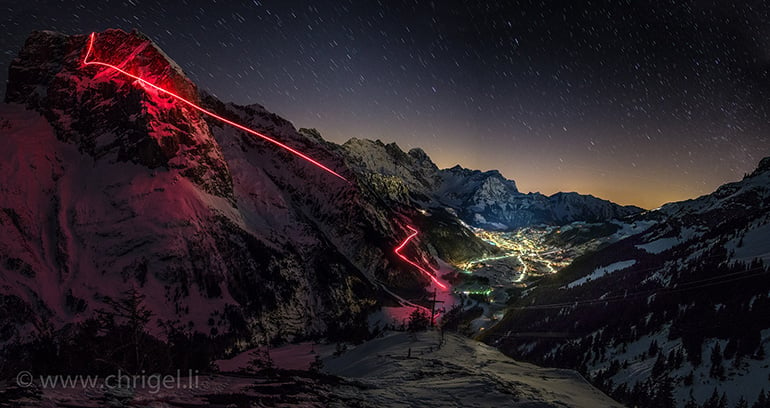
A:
[404, 369]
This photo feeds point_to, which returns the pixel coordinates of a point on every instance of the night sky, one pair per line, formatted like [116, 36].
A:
[640, 102]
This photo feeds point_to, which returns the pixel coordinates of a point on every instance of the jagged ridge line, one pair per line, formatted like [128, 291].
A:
[207, 112]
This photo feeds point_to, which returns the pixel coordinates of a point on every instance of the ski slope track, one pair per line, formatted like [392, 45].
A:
[269, 139]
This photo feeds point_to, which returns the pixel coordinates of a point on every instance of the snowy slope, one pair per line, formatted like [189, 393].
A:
[688, 309]
[602, 271]
[411, 370]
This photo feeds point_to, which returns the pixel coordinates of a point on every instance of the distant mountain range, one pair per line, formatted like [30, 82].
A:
[481, 199]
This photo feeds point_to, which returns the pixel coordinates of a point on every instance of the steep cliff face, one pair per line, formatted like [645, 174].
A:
[109, 184]
[111, 116]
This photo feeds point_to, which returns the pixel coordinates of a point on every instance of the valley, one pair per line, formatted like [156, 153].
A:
[528, 255]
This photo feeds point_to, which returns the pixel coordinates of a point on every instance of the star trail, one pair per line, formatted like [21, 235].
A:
[639, 102]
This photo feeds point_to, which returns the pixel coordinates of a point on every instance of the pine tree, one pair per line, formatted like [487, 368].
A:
[262, 362]
[340, 349]
[672, 358]
[761, 400]
[717, 371]
[691, 403]
[742, 403]
[664, 394]
[621, 392]
[653, 348]
[730, 348]
[418, 321]
[678, 358]
[737, 361]
[127, 315]
[660, 365]
[635, 396]
[713, 401]
[689, 378]
[723, 401]
[317, 365]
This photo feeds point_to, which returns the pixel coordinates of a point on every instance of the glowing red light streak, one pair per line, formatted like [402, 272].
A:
[207, 112]
[258, 134]
[410, 262]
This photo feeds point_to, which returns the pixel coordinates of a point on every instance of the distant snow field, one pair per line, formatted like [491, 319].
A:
[754, 244]
[604, 270]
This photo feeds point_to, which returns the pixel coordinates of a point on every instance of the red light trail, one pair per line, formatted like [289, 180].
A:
[410, 262]
[260, 135]
[208, 112]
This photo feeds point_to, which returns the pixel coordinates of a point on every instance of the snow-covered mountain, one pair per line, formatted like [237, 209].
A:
[674, 311]
[108, 184]
[456, 371]
[482, 199]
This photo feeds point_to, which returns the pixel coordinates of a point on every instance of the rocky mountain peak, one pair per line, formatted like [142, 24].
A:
[492, 178]
[88, 104]
[419, 155]
[763, 167]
